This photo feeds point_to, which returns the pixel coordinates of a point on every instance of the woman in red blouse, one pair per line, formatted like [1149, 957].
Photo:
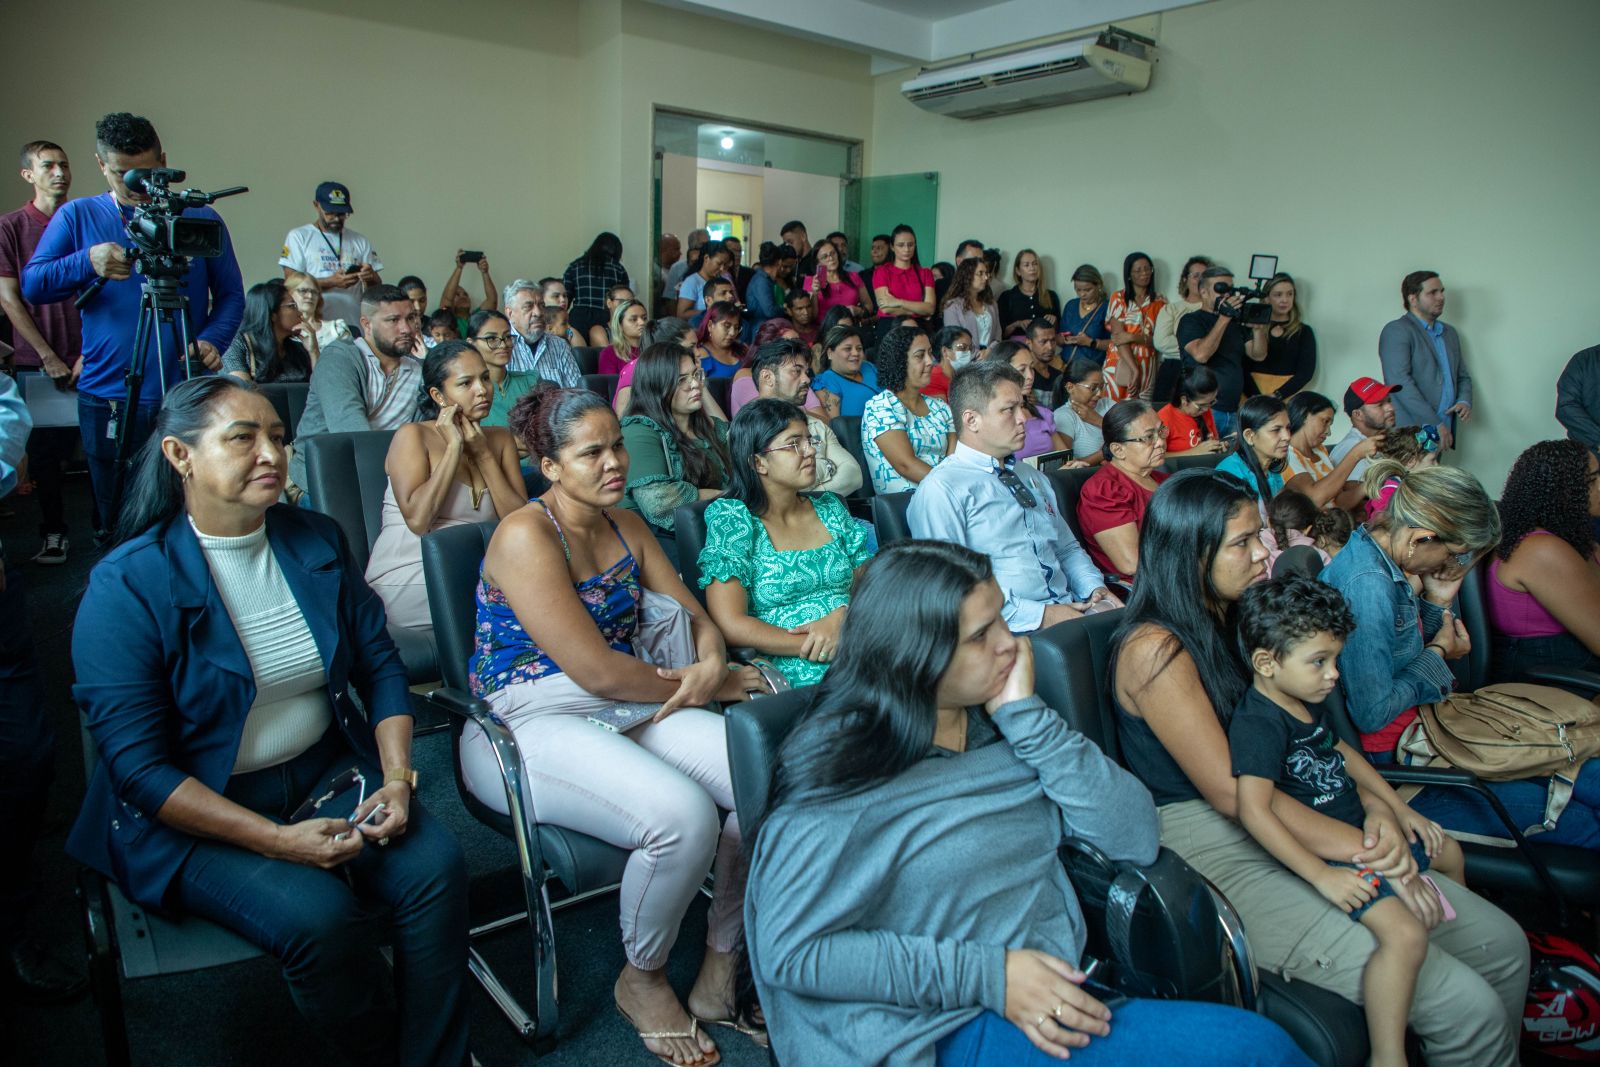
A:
[1112, 503]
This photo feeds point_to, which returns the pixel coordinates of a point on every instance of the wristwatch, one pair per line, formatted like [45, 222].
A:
[401, 774]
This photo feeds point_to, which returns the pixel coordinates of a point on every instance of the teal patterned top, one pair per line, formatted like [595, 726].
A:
[784, 588]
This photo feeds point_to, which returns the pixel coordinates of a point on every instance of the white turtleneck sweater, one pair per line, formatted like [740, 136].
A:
[291, 711]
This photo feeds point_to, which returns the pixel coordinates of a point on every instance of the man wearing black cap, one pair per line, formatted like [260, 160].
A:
[340, 259]
[1371, 409]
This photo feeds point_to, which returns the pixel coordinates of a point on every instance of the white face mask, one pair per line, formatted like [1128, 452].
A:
[960, 359]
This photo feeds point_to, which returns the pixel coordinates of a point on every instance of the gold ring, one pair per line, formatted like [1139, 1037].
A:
[1057, 1011]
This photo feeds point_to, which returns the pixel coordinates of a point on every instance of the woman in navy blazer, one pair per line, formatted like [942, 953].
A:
[215, 651]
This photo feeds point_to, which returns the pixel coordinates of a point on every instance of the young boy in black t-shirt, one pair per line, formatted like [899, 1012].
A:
[1291, 630]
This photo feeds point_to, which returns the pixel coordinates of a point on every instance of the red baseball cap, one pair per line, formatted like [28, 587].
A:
[1364, 391]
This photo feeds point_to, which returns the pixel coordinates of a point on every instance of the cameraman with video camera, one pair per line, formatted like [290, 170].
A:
[87, 240]
[1213, 336]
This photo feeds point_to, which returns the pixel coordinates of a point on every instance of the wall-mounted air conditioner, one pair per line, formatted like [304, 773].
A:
[1111, 63]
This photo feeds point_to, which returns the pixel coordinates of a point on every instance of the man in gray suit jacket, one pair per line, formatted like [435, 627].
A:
[1424, 355]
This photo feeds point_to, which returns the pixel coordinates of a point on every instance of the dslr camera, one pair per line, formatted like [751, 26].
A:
[1255, 311]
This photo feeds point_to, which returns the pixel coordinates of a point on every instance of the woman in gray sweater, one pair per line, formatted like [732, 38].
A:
[905, 903]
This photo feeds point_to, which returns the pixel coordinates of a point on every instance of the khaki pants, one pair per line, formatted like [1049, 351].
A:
[1470, 992]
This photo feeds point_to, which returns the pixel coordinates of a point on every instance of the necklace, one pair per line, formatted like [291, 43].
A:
[472, 486]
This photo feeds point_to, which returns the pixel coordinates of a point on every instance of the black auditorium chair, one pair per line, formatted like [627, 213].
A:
[604, 384]
[127, 941]
[719, 389]
[1184, 460]
[290, 400]
[1174, 939]
[889, 518]
[1474, 669]
[1072, 666]
[584, 865]
[1303, 560]
[1068, 484]
[847, 428]
[588, 359]
[346, 481]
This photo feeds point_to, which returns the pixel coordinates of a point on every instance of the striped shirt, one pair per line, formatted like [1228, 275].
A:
[392, 397]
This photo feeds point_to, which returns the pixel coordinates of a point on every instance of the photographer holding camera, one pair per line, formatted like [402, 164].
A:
[87, 240]
[1214, 337]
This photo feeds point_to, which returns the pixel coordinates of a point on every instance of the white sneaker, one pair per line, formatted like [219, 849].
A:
[54, 551]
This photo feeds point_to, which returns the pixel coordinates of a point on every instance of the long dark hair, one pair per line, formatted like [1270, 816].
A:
[753, 430]
[1548, 489]
[435, 369]
[961, 286]
[916, 260]
[605, 248]
[874, 714]
[1127, 276]
[155, 490]
[1183, 530]
[1305, 404]
[263, 356]
[654, 382]
[1254, 414]
[1290, 510]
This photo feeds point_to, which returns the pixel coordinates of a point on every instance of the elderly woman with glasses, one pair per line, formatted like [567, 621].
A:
[1113, 501]
[777, 566]
[490, 334]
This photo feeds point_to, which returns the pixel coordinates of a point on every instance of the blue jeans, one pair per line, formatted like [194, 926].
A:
[1466, 811]
[100, 450]
[320, 927]
[1512, 657]
[1227, 422]
[1173, 1033]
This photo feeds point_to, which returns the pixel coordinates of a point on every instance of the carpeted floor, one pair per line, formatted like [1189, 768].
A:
[241, 1014]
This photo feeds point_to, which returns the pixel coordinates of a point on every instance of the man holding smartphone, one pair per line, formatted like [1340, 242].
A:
[340, 259]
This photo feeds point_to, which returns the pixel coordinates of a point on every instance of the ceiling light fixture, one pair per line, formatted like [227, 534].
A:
[727, 144]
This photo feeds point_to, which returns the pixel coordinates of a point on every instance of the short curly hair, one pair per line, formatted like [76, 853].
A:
[893, 352]
[1548, 489]
[1280, 613]
[128, 134]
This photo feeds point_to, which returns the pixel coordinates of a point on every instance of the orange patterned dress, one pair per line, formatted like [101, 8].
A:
[1131, 368]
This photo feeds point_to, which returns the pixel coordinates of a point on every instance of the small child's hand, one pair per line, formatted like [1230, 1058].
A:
[1344, 888]
[1422, 828]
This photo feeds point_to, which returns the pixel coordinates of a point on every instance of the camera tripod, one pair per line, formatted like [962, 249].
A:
[162, 308]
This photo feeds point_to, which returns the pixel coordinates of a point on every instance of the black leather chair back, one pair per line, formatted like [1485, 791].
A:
[1068, 484]
[1472, 670]
[1184, 460]
[345, 480]
[604, 384]
[1071, 670]
[290, 400]
[889, 518]
[689, 522]
[756, 730]
[847, 428]
[1299, 559]
[451, 560]
[588, 359]
[720, 389]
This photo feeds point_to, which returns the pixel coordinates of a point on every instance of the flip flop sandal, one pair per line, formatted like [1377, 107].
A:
[744, 1025]
[707, 1059]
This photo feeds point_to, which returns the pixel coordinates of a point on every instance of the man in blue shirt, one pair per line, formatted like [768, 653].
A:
[87, 239]
[1423, 355]
[981, 497]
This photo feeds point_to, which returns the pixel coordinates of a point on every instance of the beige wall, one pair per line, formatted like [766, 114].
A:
[811, 198]
[736, 192]
[1357, 140]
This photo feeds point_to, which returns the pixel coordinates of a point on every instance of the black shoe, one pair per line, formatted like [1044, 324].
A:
[31, 974]
[54, 552]
[102, 538]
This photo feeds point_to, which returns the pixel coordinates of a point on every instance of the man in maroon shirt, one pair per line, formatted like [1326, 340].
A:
[47, 336]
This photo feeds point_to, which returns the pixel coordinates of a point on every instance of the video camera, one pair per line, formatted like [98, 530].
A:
[158, 228]
[1255, 311]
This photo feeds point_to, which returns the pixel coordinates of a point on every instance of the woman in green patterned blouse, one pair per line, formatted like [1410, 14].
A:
[776, 565]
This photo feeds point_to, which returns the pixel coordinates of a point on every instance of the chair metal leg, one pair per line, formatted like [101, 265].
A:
[104, 984]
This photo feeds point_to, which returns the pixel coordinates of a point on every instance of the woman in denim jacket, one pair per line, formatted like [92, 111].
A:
[1400, 576]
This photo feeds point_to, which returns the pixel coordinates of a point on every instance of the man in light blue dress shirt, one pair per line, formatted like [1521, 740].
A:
[981, 497]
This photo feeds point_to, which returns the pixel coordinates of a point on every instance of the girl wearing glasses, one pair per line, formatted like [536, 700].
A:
[1078, 420]
[274, 344]
[776, 565]
[1112, 503]
[490, 334]
[678, 453]
[1439, 522]
[308, 298]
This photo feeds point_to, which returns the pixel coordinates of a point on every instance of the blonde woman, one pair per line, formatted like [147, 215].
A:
[1030, 298]
[1291, 345]
[307, 297]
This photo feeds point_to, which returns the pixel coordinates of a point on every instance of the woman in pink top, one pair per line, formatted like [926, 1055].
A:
[628, 321]
[833, 286]
[903, 286]
[1544, 579]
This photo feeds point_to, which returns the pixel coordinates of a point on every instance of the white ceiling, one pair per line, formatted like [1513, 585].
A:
[901, 33]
